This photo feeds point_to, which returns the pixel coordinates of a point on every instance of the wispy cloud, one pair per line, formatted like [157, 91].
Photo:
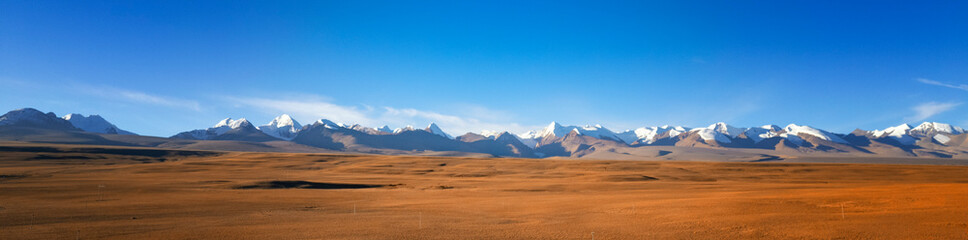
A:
[947, 85]
[7, 82]
[450, 123]
[139, 97]
[929, 109]
[159, 100]
[314, 108]
[410, 113]
[321, 108]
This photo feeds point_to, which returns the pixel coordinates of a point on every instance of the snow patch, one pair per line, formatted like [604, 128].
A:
[708, 134]
[941, 138]
[793, 138]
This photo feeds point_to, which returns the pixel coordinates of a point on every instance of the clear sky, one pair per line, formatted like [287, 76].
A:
[162, 67]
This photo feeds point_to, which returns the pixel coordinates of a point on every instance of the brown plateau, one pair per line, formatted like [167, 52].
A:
[50, 191]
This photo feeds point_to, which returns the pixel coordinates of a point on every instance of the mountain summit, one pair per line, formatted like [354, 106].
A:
[433, 128]
[282, 127]
[228, 129]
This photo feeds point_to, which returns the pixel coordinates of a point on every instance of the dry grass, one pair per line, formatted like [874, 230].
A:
[55, 195]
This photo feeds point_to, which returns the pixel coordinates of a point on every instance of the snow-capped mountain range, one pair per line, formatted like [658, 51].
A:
[905, 134]
[932, 138]
[717, 135]
[718, 132]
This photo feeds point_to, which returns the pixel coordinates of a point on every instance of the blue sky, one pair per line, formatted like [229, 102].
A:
[162, 67]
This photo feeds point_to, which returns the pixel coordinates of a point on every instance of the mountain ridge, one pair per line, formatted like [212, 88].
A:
[928, 139]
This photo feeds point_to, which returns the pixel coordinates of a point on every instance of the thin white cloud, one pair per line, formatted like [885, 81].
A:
[7, 82]
[158, 100]
[947, 85]
[414, 113]
[315, 108]
[929, 109]
[456, 125]
[138, 97]
[318, 108]
[483, 113]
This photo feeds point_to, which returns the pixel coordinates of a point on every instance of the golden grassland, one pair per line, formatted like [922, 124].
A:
[67, 192]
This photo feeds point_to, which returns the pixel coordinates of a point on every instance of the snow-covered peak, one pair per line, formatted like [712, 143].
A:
[673, 130]
[708, 134]
[283, 127]
[895, 131]
[327, 123]
[529, 138]
[433, 128]
[796, 130]
[645, 132]
[757, 134]
[529, 135]
[936, 127]
[908, 135]
[228, 124]
[649, 135]
[726, 129]
[720, 132]
[68, 117]
[575, 130]
[404, 129]
[596, 131]
[553, 130]
[224, 123]
[899, 133]
[232, 124]
[491, 134]
[771, 127]
[284, 121]
[94, 123]
[499, 135]
[557, 130]
[385, 129]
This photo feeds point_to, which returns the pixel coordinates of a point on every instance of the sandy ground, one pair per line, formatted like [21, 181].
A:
[61, 193]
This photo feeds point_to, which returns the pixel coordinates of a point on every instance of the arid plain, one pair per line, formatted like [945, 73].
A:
[52, 191]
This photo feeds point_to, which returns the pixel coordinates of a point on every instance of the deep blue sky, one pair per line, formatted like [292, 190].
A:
[162, 67]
